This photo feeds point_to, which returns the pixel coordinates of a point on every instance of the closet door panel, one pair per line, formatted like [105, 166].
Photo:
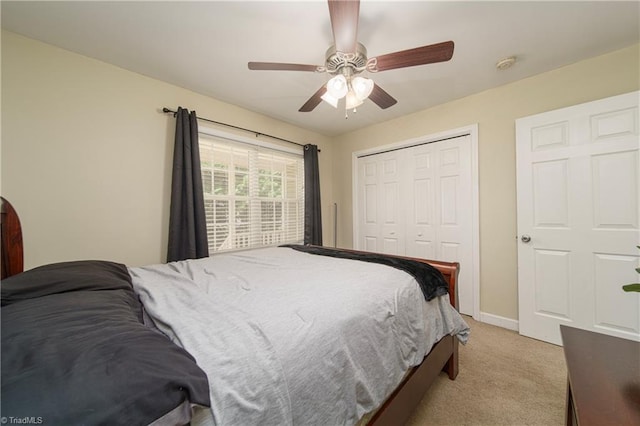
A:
[419, 204]
[379, 204]
[455, 218]
[368, 201]
[390, 203]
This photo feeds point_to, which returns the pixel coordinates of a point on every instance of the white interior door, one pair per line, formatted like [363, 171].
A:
[578, 219]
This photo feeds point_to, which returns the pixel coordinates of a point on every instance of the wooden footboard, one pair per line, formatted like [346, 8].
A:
[449, 270]
[400, 405]
[403, 401]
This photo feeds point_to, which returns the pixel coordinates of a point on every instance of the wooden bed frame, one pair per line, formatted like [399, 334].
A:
[12, 257]
[400, 405]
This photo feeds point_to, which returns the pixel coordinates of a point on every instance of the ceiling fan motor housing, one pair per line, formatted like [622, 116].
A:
[339, 62]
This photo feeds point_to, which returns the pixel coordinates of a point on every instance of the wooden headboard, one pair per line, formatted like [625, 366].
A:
[11, 239]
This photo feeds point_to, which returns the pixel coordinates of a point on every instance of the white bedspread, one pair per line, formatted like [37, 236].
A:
[290, 338]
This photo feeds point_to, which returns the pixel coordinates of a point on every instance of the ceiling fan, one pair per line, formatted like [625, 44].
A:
[347, 59]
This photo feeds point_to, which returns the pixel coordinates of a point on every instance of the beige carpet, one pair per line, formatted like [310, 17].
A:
[504, 379]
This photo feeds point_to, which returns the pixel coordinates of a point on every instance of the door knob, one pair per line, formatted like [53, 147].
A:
[525, 238]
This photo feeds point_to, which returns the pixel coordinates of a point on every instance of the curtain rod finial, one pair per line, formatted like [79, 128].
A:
[167, 111]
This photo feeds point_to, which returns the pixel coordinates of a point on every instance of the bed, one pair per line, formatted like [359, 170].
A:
[280, 335]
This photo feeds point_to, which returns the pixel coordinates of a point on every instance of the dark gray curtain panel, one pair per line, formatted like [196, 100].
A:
[187, 222]
[312, 211]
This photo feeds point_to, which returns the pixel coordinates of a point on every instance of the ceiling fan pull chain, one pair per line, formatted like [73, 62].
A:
[346, 113]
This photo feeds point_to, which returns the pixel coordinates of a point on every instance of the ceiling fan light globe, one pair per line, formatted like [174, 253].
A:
[352, 100]
[337, 86]
[362, 87]
[330, 99]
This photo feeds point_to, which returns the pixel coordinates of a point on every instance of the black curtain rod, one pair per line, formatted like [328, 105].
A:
[167, 110]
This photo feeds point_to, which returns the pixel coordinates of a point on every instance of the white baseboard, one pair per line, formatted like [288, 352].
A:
[499, 321]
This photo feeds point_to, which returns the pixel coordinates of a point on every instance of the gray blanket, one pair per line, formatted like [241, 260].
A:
[290, 338]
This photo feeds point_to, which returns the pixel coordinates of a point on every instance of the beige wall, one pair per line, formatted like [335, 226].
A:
[495, 112]
[86, 154]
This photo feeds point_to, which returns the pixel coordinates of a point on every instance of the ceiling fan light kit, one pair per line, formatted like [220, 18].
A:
[362, 87]
[331, 100]
[347, 58]
[338, 86]
[352, 101]
[354, 89]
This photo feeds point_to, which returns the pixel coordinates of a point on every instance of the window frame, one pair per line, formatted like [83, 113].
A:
[252, 198]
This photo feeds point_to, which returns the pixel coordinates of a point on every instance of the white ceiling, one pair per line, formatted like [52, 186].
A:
[205, 46]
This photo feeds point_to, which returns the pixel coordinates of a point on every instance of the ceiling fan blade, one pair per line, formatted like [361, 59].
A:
[277, 66]
[433, 53]
[314, 100]
[381, 98]
[344, 22]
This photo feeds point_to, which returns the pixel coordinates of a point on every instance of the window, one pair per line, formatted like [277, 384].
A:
[253, 194]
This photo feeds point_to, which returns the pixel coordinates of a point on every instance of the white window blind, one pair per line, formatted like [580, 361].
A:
[253, 195]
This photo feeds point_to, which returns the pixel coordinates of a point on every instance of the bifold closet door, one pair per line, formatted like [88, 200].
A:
[417, 201]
